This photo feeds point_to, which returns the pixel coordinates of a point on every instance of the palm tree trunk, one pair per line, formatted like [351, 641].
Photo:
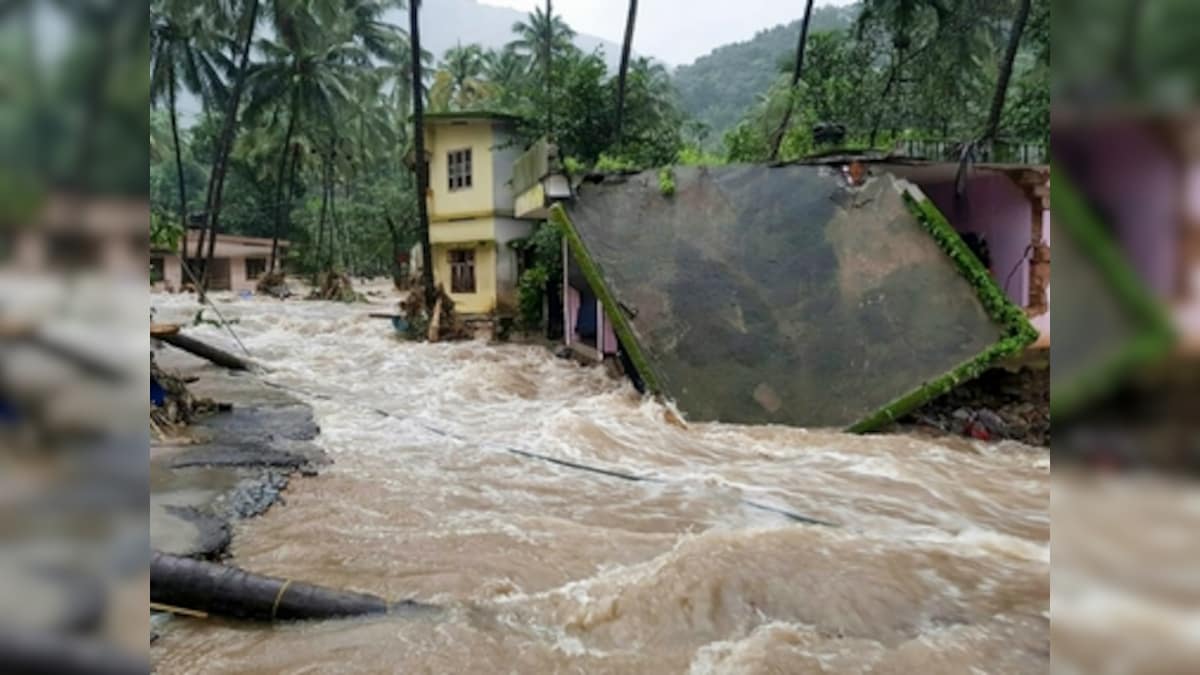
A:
[394, 231]
[320, 264]
[1006, 69]
[624, 71]
[546, 56]
[291, 194]
[203, 234]
[183, 213]
[414, 36]
[216, 181]
[777, 137]
[37, 88]
[337, 240]
[281, 178]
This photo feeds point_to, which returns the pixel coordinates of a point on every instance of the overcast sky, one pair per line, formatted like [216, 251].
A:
[675, 31]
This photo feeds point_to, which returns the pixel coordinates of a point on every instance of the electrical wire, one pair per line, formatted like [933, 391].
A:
[529, 454]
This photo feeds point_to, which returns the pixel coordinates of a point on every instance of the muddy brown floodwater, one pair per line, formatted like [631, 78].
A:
[940, 563]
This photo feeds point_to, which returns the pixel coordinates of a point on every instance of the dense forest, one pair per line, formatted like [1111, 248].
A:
[962, 72]
[307, 105]
[74, 113]
[305, 120]
[716, 89]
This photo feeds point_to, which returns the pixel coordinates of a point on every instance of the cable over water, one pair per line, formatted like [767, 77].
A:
[673, 559]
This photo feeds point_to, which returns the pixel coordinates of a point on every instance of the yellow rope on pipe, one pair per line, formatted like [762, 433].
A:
[279, 596]
[182, 611]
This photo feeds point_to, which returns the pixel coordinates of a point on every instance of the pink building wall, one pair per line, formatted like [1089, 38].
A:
[173, 274]
[1129, 174]
[998, 210]
[1042, 322]
[572, 311]
[610, 337]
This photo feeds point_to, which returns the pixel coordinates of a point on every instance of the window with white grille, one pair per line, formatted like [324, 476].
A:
[458, 165]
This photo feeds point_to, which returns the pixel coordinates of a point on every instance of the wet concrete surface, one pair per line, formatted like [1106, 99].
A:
[229, 465]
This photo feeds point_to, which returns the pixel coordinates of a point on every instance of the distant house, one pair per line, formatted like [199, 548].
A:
[238, 262]
[472, 222]
[81, 232]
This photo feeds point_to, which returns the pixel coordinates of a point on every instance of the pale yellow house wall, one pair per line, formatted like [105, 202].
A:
[462, 231]
[483, 300]
[477, 200]
[479, 217]
[531, 202]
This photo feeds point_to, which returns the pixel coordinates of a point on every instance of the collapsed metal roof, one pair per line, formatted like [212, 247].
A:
[787, 294]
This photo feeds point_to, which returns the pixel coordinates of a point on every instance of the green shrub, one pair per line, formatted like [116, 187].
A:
[610, 164]
[666, 181]
[691, 155]
[531, 293]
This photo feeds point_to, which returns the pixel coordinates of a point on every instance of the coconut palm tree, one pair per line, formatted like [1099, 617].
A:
[183, 53]
[383, 40]
[460, 80]
[414, 38]
[508, 74]
[311, 66]
[249, 10]
[539, 37]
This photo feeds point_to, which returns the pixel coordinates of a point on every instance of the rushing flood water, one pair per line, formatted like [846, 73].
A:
[940, 563]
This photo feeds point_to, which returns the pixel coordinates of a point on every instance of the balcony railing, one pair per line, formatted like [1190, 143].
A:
[539, 161]
[1000, 152]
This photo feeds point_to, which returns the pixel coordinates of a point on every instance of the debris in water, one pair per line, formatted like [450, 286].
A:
[335, 286]
[274, 284]
[179, 408]
[445, 325]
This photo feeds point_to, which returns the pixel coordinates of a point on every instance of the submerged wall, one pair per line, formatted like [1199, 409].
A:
[784, 295]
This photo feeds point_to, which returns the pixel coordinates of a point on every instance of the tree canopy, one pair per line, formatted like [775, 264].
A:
[320, 135]
[881, 71]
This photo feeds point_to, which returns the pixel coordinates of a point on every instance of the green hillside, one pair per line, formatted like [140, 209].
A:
[719, 87]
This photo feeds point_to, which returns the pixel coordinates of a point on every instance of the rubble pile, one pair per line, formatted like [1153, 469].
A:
[335, 286]
[273, 284]
[1000, 404]
[180, 408]
[449, 326]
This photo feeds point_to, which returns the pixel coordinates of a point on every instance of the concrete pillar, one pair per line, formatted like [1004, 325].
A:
[568, 324]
